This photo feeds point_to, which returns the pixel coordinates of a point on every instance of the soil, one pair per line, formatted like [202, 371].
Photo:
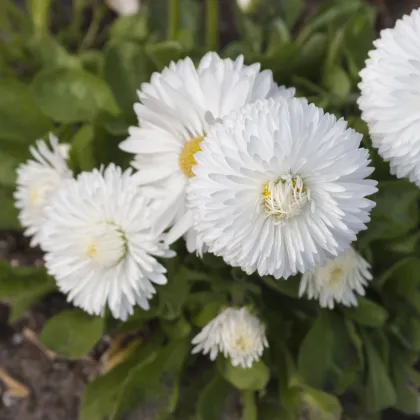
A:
[55, 385]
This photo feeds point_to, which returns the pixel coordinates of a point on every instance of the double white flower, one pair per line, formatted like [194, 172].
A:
[280, 187]
[236, 334]
[390, 96]
[37, 180]
[176, 110]
[339, 281]
[99, 244]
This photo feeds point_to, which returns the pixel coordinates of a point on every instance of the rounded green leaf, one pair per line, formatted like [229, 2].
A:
[126, 68]
[315, 353]
[379, 391]
[21, 120]
[253, 378]
[212, 399]
[71, 95]
[72, 333]
[366, 313]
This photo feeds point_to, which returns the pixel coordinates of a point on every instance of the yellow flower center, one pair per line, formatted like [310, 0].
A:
[242, 344]
[285, 198]
[335, 275]
[34, 197]
[186, 157]
[92, 250]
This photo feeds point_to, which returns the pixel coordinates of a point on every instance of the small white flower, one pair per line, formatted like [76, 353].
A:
[339, 280]
[99, 245]
[390, 96]
[37, 180]
[236, 333]
[177, 108]
[246, 5]
[124, 7]
[280, 187]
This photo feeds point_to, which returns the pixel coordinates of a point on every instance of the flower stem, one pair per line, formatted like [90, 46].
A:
[212, 14]
[173, 19]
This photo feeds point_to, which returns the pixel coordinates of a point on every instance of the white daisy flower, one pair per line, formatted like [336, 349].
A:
[176, 110]
[339, 280]
[390, 96]
[99, 245]
[236, 333]
[124, 7]
[37, 180]
[280, 187]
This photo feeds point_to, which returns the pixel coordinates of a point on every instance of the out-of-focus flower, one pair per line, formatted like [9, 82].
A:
[236, 333]
[390, 96]
[99, 244]
[177, 108]
[280, 187]
[37, 180]
[339, 280]
[124, 7]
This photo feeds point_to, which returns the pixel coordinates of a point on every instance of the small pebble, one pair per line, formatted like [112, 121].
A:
[17, 339]
[8, 399]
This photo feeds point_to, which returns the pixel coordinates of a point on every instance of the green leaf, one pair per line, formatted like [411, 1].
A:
[379, 392]
[49, 54]
[254, 378]
[100, 395]
[288, 287]
[8, 165]
[366, 313]
[146, 379]
[207, 312]
[407, 330]
[126, 68]
[359, 35]
[177, 329]
[81, 152]
[72, 333]
[92, 61]
[328, 16]
[21, 121]
[23, 286]
[408, 397]
[337, 81]
[387, 224]
[314, 358]
[173, 295]
[129, 28]
[212, 399]
[71, 95]
[292, 10]
[320, 405]
[164, 52]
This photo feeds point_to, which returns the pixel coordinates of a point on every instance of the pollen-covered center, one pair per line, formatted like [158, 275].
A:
[335, 275]
[107, 246]
[242, 343]
[285, 198]
[186, 157]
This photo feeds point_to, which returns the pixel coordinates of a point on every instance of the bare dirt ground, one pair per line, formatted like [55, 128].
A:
[54, 386]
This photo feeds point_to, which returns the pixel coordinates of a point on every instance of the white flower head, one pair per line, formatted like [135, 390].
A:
[246, 5]
[236, 334]
[339, 280]
[37, 180]
[124, 7]
[99, 244]
[280, 187]
[390, 96]
[177, 108]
